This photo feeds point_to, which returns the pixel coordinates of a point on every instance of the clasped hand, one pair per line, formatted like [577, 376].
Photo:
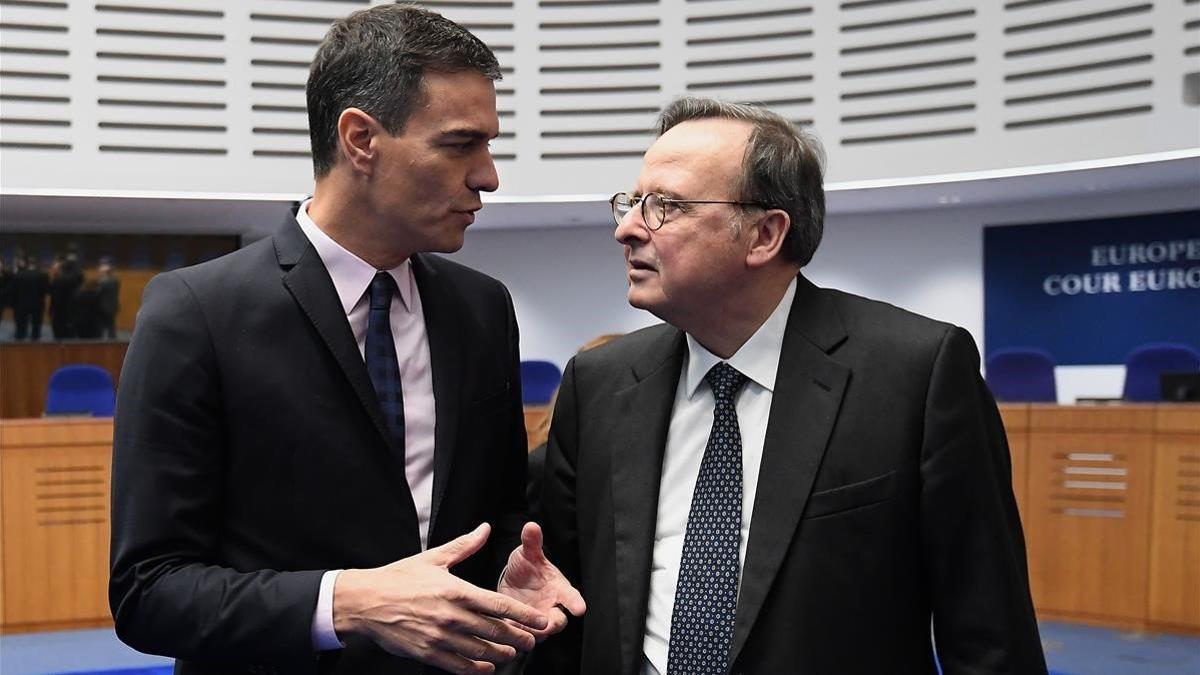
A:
[416, 608]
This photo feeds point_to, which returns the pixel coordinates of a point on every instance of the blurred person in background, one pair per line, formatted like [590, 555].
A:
[66, 276]
[30, 285]
[110, 298]
[85, 310]
[7, 277]
[539, 434]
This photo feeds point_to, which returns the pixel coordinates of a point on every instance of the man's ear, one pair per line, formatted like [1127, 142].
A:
[355, 131]
[767, 236]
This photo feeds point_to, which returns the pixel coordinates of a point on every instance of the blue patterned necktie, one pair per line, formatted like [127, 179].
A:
[706, 594]
[380, 352]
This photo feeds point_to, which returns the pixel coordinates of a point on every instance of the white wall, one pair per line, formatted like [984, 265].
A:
[568, 283]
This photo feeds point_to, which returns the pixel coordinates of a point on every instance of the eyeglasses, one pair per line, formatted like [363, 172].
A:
[654, 206]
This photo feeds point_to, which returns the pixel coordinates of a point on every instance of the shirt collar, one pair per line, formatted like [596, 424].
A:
[351, 275]
[757, 359]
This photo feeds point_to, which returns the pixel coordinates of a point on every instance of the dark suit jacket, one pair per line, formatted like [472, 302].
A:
[29, 290]
[884, 499]
[251, 455]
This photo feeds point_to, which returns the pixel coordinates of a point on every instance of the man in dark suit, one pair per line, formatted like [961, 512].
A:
[66, 276]
[781, 478]
[30, 285]
[313, 430]
[110, 299]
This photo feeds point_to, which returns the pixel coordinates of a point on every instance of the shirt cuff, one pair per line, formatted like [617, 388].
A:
[323, 635]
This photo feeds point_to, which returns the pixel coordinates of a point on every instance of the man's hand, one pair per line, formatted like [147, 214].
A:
[416, 608]
[535, 581]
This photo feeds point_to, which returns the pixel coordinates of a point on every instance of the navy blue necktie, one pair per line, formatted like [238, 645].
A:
[706, 593]
[380, 353]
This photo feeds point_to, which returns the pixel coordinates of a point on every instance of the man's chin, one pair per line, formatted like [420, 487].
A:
[449, 245]
[638, 299]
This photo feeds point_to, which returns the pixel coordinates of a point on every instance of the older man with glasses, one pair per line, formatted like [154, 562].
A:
[781, 478]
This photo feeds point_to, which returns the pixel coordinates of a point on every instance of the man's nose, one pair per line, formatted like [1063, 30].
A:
[484, 177]
[630, 229]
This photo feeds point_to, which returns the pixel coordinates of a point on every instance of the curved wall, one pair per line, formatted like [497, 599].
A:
[207, 96]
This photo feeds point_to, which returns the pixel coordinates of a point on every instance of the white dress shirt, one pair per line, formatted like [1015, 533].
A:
[352, 277]
[691, 420]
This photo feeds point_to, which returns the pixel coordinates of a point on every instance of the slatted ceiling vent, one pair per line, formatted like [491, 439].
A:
[71, 495]
[599, 78]
[161, 78]
[492, 22]
[281, 50]
[1192, 28]
[1073, 62]
[1188, 476]
[1090, 484]
[761, 56]
[907, 71]
[35, 85]
[282, 46]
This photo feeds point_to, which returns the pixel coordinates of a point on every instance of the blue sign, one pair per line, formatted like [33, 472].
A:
[1091, 291]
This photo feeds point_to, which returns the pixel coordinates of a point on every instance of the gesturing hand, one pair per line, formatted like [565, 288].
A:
[535, 581]
[415, 607]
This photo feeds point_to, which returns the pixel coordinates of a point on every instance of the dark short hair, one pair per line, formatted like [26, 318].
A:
[784, 166]
[375, 60]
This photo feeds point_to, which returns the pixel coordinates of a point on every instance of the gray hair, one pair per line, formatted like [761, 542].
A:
[376, 60]
[783, 168]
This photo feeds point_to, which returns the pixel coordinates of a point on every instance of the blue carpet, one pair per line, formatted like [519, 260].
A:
[1071, 649]
[158, 670]
[75, 651]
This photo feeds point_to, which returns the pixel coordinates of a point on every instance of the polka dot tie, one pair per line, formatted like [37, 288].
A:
[380, 353]
[706, 594]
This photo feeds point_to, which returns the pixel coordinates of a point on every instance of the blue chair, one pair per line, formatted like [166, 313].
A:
[81, 390]
[539, 379]
[1146, 363]
[1021, 374]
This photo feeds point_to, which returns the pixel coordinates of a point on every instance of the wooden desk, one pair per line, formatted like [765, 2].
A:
[534, 414]
[1174, 595]
[1110, 502]
[54, 480]
[1109, 498]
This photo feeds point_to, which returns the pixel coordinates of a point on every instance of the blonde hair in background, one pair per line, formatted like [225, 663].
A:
[542, 431]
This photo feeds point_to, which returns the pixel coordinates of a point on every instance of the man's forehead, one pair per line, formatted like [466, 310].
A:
[707, 151]
[710, 136]
[459, 101]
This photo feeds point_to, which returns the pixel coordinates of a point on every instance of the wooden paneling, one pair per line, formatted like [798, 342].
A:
[1088, 521]
[54, 475]
[25, 370]
[133, 283]
[1109, 497]
[1097, 418]
[1177, 418]
[1175, 538]
[1112, 514]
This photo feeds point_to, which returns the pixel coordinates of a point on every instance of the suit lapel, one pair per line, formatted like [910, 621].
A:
[444, 330]
[308, 281]
[805, 403]
[645, 413]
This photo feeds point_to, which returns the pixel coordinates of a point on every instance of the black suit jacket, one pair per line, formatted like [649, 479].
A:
[884, 500]
[251, 455]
